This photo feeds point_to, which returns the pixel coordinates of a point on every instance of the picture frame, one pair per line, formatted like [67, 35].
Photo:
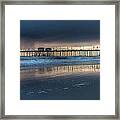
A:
[2, 65]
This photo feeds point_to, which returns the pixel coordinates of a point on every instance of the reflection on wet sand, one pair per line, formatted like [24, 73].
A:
[59, 70]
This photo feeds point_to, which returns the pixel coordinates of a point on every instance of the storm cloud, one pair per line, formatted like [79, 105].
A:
[48, 32]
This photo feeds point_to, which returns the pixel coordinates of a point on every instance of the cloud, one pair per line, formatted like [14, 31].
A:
[54, 32]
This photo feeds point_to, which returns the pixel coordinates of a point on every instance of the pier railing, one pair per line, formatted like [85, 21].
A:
[88, 53]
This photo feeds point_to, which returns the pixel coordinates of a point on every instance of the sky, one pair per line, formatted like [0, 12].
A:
[53, 33]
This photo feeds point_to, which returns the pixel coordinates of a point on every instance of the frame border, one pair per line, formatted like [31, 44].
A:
[59, 2]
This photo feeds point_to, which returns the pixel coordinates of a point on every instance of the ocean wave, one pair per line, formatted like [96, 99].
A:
[38, 61]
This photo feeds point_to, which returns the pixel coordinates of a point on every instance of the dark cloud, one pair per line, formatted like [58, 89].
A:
[68, 31]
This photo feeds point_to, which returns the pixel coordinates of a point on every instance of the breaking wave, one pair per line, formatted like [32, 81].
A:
[38, 61]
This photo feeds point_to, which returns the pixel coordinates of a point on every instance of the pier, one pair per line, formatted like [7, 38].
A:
[87, 53]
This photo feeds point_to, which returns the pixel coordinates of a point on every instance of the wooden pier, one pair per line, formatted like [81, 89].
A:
[87, 53]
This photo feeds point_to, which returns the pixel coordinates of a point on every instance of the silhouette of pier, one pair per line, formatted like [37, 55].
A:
[49, 52]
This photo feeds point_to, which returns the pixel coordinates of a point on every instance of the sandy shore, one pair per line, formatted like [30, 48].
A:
[70, 87]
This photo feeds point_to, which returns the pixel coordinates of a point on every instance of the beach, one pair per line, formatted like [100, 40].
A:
[68, 78]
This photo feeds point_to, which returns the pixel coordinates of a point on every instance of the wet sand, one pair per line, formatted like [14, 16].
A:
[68, 87]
